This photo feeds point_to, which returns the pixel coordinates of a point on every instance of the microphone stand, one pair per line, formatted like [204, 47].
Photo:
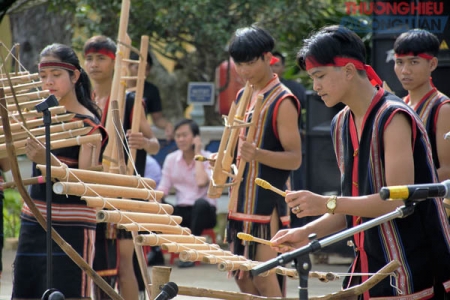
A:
[43, 107]
[302, 254]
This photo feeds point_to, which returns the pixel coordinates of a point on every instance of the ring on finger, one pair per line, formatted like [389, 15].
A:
[296, 209]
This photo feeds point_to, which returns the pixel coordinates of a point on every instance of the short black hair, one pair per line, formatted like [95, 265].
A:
[248, 43]
[135, 56]
[192, 124]
[330, 42]
[417, 41]
[280, 56]
[99, 42]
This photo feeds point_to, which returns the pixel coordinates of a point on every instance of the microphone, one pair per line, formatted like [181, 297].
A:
[168, 291]
[416, 191]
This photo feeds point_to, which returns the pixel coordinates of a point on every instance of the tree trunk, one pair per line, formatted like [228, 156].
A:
[35, 28]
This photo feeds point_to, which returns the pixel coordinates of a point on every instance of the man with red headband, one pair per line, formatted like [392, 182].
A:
[276, 151]
[379, 141]
[415, 60]
[100, 55]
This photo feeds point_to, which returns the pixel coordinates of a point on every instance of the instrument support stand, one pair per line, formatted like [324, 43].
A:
[302, 254]
[43, 107]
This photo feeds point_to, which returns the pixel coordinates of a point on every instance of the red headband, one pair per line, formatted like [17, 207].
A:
[341, 62]
[423, 55]
[274, 60]
[57, 64]
[103, 51]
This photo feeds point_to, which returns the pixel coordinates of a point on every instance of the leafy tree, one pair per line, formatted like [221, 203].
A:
[194, 33]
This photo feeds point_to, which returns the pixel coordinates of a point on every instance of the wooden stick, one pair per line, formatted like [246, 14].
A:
[264, 184]
[250, 137]
[225, 153]
[251, 238]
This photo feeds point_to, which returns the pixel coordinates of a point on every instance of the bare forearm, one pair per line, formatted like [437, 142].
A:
[151, 145]
[279, 160]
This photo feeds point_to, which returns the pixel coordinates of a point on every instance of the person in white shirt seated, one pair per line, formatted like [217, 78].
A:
[190, 179]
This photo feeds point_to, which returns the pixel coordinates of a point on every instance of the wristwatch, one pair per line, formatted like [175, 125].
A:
[331, 204]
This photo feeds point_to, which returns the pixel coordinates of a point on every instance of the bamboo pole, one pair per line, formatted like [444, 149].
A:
[67, 174]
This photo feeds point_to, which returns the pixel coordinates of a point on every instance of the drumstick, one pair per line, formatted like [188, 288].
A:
[202, 158]
[251, 238]
[265, 185]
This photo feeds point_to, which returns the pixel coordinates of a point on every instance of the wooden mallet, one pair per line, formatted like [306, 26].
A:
[264, 184]
[250, 238]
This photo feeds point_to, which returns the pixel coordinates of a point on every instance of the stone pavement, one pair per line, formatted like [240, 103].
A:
[202, 276]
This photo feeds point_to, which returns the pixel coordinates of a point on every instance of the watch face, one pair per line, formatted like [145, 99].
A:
[331, 204]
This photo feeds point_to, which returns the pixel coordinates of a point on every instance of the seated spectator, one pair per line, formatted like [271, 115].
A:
[190, 179]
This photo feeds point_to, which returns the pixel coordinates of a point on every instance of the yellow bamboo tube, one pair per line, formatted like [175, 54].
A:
[53, 137]
[76, 175]
[176, 247]
[216, 259]
[88, 189]
[22, 87]
[41, 130]
[124, 217]
[158, 239]
[236, 265]
[20, 79]
[38, 122]
[191, 255]
[152, 227]
[62, 143]
[129, 204]
[26, 97]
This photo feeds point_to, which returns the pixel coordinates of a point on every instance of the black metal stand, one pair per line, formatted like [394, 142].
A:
[302, 254]
[43, 107]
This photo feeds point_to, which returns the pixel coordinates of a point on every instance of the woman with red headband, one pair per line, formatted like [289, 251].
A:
[61, 74]
[379, 141]
[415, 60]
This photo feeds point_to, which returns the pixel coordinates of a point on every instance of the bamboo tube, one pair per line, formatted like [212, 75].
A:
[62, 143]
[225, 153]
[137, 107]
[151, 227]
[22, 87]
[216, 259]
[35, 114]
[236, 265]
[53, 137]
[158, 239]
[27, 97]
[41, 130]
[87, 189]
[129, 204]
[123, 217]
[76, 175]
[191, 255]
[250, 137]
[20, 79]
[38, 122]
[175, 247]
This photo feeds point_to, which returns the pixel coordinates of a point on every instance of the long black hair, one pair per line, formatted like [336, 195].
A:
[83, 88]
